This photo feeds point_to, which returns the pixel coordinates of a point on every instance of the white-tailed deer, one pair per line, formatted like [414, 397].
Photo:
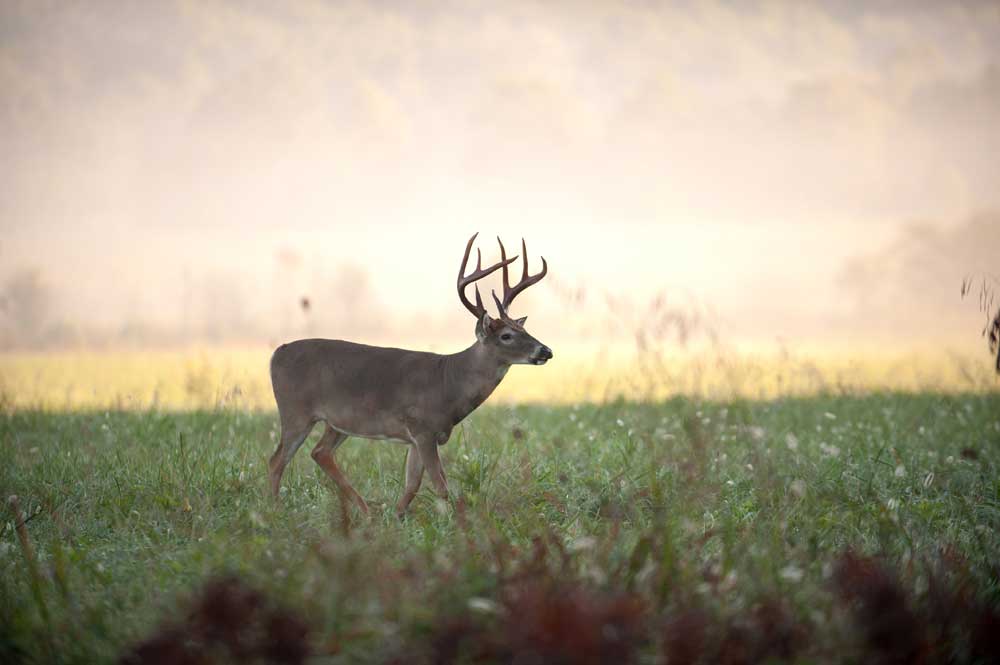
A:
[408, 396]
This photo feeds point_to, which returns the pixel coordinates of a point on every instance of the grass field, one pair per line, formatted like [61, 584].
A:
[854, 528]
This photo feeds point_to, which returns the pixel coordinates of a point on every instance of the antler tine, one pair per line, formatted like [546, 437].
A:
[479, 301]
[510, 293]
[464, 280]
[506, 282]
[503, 257]
[524, 253]
[500, 307]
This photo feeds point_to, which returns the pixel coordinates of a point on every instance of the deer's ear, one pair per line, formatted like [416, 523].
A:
[521, 321]
[483, 327]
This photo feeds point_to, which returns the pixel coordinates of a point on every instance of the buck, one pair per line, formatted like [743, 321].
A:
[412, 397]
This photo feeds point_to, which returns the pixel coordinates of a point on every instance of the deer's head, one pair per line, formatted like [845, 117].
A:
[505, 337]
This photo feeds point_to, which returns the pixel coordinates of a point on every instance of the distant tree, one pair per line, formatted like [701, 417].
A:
[988, 305]
[352, 297]
[224, 311]
[907, 286]
[26, 302]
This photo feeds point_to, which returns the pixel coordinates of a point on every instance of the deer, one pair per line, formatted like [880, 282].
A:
[412, 397]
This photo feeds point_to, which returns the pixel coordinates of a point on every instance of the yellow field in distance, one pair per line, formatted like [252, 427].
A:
[209, 378]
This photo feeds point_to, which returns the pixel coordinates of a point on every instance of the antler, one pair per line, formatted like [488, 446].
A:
[464, 280]
[510, 293]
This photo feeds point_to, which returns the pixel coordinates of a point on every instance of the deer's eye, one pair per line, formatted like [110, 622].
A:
[506, 337]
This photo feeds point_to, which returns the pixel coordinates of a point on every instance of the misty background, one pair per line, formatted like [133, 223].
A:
[187, 172]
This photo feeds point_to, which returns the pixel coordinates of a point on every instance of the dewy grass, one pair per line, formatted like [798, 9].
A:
[632, 520]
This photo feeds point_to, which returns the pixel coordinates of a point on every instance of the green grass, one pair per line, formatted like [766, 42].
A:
[682, 503]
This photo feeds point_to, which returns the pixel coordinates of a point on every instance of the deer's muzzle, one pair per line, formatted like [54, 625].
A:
[542, 356]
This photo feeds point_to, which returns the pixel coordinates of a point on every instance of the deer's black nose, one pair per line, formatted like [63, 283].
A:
[545, 353]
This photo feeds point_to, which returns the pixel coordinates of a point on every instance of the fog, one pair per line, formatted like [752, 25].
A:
[179, 172]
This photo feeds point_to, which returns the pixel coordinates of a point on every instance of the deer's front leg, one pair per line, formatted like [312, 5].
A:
[414, 473]
[427, 447]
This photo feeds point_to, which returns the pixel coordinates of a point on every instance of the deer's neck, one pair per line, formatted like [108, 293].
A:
[470, 376]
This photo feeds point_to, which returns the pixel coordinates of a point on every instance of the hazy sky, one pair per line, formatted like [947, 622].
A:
[160, 159]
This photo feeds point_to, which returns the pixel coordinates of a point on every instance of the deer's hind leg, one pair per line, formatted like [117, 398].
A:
[414, 473]
[323, 454]
[293, 433]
